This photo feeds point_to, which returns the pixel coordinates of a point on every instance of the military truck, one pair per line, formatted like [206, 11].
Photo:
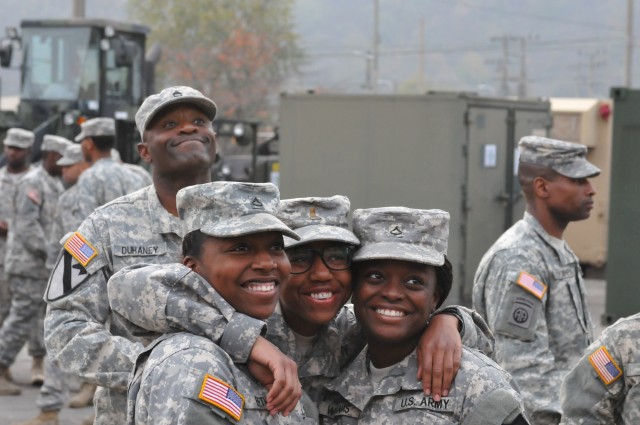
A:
[76, 69]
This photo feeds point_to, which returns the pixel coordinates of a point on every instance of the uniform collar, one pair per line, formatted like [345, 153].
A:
[559, 246]
[354, 383]
[162, 221]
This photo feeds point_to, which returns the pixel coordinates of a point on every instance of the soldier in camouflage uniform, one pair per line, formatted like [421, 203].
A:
[401, 275]
[311, 324]
[17, 150]
[82, 335]
[36, 199]
[234, 254]
[107, 179]
[529, 285]
[54, 390]
[604, 386]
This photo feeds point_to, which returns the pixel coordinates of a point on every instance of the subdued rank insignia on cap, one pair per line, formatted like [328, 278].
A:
[80, 249]
[312, 212]
[396, 231]
[67, 275]
[531, 284]
[34, 196]
[177, 93]
[257, 204]
[221, 395]
[605, 366]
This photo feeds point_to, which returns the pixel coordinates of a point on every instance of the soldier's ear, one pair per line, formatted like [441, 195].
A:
[143, 151]
[190, 262]
[540, 187]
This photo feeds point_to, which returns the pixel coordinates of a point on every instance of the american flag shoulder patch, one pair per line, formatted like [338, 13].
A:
[80, 249]
[222, 395]
[532, 285]
[605, 366]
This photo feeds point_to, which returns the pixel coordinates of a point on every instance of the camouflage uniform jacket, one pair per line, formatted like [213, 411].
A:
[482, 393]
[81, 333]
[606, 391]
[182, 368]
[36, 199]
[67, 219]
[105, 181]
[529, 288]
[8, 188]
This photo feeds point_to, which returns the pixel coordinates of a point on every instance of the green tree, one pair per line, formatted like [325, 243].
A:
[238, 52]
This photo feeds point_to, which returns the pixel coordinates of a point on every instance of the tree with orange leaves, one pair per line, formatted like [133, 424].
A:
[238, 52]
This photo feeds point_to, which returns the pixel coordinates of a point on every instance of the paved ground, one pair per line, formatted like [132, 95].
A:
[24, 407]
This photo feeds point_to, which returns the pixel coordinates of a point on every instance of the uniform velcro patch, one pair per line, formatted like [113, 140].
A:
[605, 366]
[222, 395]
[34, 196]
[531, 284]
[80, 249]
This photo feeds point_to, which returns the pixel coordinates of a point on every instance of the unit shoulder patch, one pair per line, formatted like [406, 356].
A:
[222, 395]
[532, 285]
[66, 276]
[604, 365]
[80, 249]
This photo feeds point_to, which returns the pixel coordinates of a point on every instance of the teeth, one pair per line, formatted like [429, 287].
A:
[321, 295]
[390, 313]
[262, 287]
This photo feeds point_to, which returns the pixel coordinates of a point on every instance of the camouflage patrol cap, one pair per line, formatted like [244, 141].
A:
[19, 138]
[317, 219]
[54, 143]
[228, 209]
[72, 155]
[399, 233]
[566, 158]
[169, 96]
[102, 126]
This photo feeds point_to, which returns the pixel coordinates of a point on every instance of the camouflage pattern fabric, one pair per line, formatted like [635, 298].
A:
[566, 158]
[482, 393]
[8, 189]
[53, 143]
[103, 182]
[606, 391]
[130, 230]
[19, 138]
[54, 392]
[398, 233]
[101, 126]
[175, 368]
[529, 289]
[67, 219]
[169, 96]
[158, 299]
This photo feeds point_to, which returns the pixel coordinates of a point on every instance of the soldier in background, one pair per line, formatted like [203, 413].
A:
[17, 151]
[36, 201]
[107, 179]
[529, 285]
[604, 386]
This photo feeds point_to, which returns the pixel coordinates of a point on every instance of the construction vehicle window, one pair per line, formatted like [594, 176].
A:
[58, 62]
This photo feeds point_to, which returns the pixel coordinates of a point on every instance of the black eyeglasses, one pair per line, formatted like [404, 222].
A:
[334, 257]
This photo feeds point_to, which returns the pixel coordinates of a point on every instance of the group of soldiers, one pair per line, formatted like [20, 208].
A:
[40, 204]
[131, 269]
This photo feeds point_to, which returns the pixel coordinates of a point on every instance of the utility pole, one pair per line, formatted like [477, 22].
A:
[78, 9]
[629, 54]
[421, 79]
[504, 65]
[522, 84]
[376, 42]
[505, 79]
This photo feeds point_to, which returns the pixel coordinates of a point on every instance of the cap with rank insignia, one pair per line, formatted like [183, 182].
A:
[229, 209]
[317, 219]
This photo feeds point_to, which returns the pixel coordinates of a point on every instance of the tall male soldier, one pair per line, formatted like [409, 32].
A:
[529, 285]
[178, 140]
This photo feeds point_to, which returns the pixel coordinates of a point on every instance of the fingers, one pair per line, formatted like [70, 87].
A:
[437, 374]
[286, 390]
